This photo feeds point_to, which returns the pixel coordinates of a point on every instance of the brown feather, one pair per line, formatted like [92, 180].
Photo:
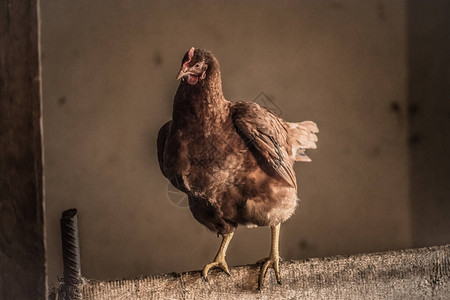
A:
[161, 144]
[268, 134]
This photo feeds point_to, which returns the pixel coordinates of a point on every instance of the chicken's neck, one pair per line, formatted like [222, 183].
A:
[202, 104]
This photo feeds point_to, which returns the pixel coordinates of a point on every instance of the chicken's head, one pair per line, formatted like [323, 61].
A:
[193, 66]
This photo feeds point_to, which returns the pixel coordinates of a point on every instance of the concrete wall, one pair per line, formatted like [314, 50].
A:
[109, 79]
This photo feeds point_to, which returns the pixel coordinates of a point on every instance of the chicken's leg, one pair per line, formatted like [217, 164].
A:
[273, 260]
[219, 260]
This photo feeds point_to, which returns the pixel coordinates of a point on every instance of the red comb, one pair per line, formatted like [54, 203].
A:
[191, 53]
[190, 56]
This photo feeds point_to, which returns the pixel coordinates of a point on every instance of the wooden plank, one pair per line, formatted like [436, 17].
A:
[406, 274]
[22, 247]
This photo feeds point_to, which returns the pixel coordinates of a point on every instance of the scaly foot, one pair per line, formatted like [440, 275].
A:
[218, 263]
[273, 262]
[219, 260]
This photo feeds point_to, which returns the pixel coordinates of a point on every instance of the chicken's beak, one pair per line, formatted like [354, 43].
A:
[182, 74]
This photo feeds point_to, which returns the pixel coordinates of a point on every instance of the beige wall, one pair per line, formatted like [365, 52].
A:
[109, 78]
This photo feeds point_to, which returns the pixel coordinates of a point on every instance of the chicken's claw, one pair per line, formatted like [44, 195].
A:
[219, 260]
[273, 261]
[269, 262]
[221, 263]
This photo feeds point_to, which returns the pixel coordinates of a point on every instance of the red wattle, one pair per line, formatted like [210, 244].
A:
[192, 79]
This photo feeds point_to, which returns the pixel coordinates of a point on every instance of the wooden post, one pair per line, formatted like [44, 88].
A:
[22, 246]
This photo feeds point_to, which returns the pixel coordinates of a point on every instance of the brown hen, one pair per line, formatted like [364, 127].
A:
[233, 159]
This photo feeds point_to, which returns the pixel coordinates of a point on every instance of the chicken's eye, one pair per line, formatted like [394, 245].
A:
[197, 65]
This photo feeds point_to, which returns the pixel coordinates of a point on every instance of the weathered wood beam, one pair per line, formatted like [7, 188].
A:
[406, 274]
[22, 246]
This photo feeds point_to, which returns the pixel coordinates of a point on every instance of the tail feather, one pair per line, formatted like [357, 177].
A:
[303, 136]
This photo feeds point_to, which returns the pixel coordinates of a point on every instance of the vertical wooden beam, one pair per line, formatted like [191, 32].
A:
[22, 245]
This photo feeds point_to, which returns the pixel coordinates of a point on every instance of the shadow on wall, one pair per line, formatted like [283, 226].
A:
[429, 120]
